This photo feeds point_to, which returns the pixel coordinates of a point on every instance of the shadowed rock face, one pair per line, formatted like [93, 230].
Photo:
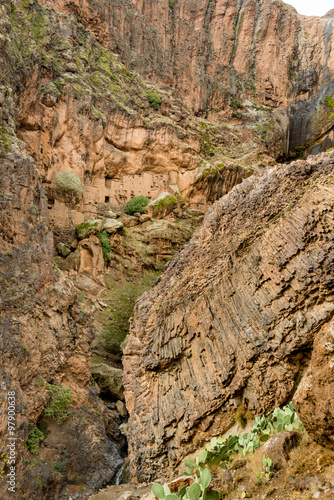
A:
[234, 316]
[314, 398]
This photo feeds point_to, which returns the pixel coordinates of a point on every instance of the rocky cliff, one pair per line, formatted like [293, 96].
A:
[233, 319]
[218, 52]
[104, 101]
[44, 339]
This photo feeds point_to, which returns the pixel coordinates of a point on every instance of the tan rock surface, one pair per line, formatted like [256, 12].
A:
[314, 398]
[221, 41]
[45, 337]
[234, 316]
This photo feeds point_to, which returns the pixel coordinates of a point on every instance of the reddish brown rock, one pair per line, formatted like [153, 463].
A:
[45, 337]
[207, 49]
[279, 446]
[314, 398]
[234, 316]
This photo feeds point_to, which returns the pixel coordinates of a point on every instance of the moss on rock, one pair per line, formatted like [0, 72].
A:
[162, 205]
[85, 229]
[69, 184]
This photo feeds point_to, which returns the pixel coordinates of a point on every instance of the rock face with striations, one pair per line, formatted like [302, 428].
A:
[234, 317]
[208, 49]
[220, 53]
[314, 398]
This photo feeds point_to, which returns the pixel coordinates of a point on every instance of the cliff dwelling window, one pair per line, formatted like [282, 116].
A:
[50, 203]
[107, 199]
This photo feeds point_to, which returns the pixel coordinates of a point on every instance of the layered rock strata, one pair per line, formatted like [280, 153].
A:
[234, 317]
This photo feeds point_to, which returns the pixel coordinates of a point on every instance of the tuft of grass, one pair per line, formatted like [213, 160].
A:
[106, 246]
[242, 416]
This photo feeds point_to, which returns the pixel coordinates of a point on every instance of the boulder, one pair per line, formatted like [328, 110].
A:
[129, 221]
[63, 249]
[109, 379]
[121, 408]
[85, 229]
[144, 218]
[195, 212]
[111, 215]
[111, 225]
[69, 184]
[162, 205]
[314, 398]
[278, 447]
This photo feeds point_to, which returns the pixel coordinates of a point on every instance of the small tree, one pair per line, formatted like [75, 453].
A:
[61, 397]
[154, 99]
[136, 204]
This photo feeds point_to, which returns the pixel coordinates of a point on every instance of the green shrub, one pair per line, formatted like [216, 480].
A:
[242, 416]
[106, 246]
[123, 300]
[61, 397]
[329, 101]
[136, 204]
[35, 437]
[69, 184]
[154, 99]
[235, 103]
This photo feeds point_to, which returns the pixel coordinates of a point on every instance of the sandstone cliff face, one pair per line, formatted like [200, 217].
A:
[314, 397]
[78, 108]
[212, 51]
[234, 316]
[45, 337]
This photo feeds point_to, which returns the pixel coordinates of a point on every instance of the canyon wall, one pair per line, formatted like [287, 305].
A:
[44, 339]
[210, 50]
[216, 51]
[233, 319]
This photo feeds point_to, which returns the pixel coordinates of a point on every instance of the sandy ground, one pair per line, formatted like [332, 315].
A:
[115, 492]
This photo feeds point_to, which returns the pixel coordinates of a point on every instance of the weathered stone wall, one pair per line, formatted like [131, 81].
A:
[210, 50]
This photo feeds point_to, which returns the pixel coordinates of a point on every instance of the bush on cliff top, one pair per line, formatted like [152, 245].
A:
[136, 204]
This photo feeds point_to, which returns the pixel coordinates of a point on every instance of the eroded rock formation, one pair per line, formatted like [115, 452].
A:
[45, 338]
[233, 318]
[314, 397]
[216, 51]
